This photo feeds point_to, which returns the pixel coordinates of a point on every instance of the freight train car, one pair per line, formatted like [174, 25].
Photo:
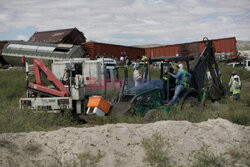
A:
[225, 49]
[95, 49]
[14, 51]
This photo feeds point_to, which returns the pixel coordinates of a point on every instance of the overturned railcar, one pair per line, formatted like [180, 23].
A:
[2, 43]
[13, 51]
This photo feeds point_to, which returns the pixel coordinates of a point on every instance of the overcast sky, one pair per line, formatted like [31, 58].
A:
[128, 22]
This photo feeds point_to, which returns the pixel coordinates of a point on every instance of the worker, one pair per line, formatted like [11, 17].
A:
[181, 82]
[23, 61]
[122, 60]
[127, 61]
[236, 88]
[137, 73]
[144, 58]
[230, 84]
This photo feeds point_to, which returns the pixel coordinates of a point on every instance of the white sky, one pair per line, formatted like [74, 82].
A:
[128, 22]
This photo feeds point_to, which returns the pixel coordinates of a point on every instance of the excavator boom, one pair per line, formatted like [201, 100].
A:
[207, 61]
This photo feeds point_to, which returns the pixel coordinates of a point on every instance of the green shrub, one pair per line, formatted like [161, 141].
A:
[87, 159]
[238, 156]
[16, 120]
[156, 150]
[236, 112]
[205, 158]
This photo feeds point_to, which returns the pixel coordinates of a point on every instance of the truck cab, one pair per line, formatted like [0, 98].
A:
[112, 72]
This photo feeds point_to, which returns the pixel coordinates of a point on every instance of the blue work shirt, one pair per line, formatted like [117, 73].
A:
[180, 76]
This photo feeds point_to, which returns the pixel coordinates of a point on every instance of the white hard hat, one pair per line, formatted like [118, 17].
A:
[180, 66]
[236, 77]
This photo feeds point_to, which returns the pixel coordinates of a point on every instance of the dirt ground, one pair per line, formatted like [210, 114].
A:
[121, 145]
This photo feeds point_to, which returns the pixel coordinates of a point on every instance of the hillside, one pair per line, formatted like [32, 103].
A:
[243, 45]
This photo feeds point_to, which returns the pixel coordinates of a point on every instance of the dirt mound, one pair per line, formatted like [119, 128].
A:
[120, 144]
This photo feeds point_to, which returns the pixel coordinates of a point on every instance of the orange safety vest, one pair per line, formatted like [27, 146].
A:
[23, 60]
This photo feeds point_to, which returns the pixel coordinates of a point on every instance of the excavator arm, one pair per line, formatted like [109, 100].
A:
[59, 91]
[207, 61]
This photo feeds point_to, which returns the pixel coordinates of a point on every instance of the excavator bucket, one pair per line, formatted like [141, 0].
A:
[121, 108]
[118, 109]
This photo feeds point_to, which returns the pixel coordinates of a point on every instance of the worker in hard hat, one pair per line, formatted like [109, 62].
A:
[137, 73]
[236, 88]
[122, 60]
[181, 82]
[230, 84]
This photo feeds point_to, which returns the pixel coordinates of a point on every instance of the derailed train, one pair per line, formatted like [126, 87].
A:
[13, 51]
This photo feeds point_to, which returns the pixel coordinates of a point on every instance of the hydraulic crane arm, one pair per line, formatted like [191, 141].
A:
[59, 90]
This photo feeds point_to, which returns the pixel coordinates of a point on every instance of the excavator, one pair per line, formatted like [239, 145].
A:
[154, 93]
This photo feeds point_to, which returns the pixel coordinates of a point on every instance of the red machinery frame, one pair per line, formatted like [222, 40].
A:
[39, 65]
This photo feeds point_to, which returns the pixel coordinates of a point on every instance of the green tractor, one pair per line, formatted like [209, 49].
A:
[154, 93]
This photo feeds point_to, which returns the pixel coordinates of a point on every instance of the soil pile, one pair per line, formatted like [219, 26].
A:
[121, 144]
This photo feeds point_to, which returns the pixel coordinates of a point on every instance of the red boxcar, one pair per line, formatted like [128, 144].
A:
[95, 49]
[168, 50]
[70, 36]
[224, 48]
